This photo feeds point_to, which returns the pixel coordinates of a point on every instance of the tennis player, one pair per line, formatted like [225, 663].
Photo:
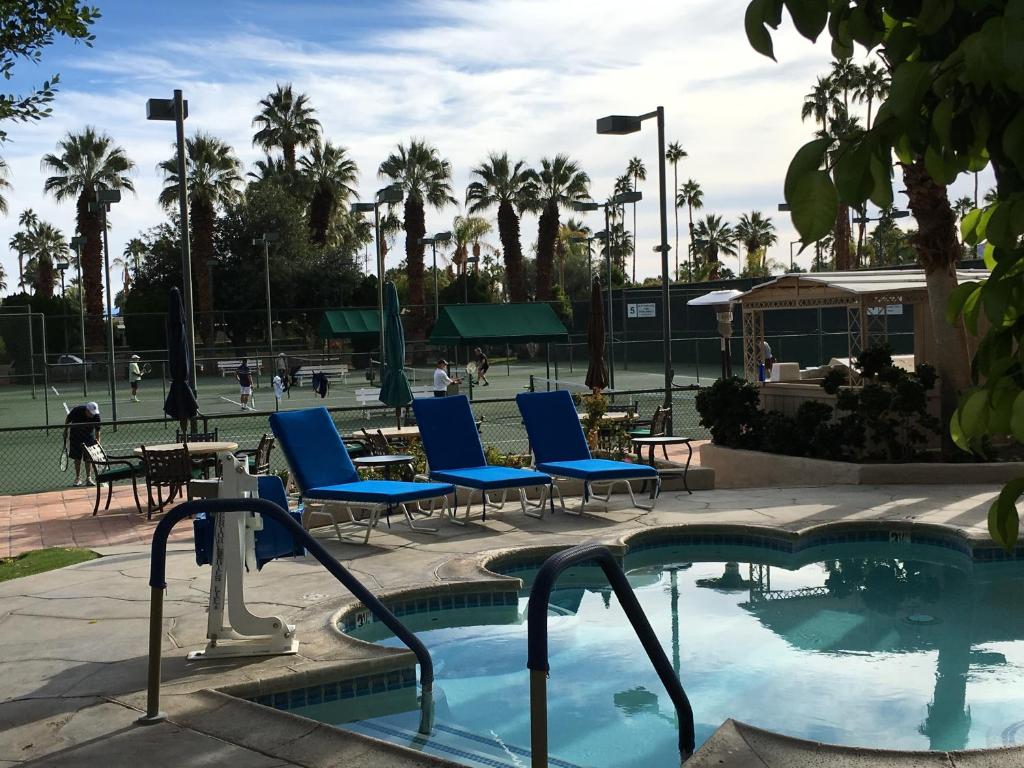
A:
[442, 380]
[81, 428]
[482, 366]
[134, 376]
[244, 384]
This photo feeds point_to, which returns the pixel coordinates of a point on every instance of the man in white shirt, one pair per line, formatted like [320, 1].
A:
[134, 377]
[442, 380]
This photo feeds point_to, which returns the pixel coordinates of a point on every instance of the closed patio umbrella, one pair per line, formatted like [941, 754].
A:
[394, 386]
[597, 371]
[181, 395]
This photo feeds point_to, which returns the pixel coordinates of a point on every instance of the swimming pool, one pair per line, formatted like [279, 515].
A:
[882, 645]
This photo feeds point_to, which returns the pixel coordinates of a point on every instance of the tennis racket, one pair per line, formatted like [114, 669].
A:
[471, 368]
[146, 369]
[63, 460]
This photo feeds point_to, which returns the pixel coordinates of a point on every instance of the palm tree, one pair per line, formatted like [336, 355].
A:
[425, 177]
[513, 188]
[821, 102]
[331, 176]
[638, 171]
[5, 171]
[713, 237]
[285, 121]
[846, 76]
[84, 163]
[674, 154]
[757, 233]
[20, 241]
[46, 246]
[271, 170]
[214, 174]
[565, 246]
[692, 196]
[467, 231]
[872, 86]
[562, 182]
[134, 250]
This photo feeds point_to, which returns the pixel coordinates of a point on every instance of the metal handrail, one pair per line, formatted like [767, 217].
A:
[158, 583]
[537, 644]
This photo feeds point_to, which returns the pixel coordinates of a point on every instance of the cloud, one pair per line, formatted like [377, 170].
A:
[529, 77]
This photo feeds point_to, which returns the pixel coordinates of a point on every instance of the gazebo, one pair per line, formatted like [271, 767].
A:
[865, 295]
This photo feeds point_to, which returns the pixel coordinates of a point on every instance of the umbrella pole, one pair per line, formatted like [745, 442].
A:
[398, 417]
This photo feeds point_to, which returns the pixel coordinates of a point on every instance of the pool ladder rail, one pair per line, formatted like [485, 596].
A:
[158, 583]
[537, 645]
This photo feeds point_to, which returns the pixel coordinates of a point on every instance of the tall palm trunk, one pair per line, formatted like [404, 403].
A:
[21, 270]
[320, 208]
[91, 227]
[202, 257]
[508, 232]
[288, 150]
[415, 230]
[547, 234]
[44, 283]
[937, 252]
[861, 233]
[841, 240]
[689, 247]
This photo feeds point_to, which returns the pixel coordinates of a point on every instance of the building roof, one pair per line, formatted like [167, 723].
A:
[509, 323]
[817, 289]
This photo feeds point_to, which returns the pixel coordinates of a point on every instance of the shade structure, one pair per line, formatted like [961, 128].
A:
[181, 394]
[394, 386]
[349, 323]
[597, 370]
[497, 323]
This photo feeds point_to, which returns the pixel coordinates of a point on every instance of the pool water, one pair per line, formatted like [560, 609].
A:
[893, 646]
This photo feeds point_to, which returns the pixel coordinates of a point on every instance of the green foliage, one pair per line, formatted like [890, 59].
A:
[729, 408]
[28, 27]
[957, 103]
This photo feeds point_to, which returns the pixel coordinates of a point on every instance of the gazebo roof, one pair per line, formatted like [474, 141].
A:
[823, 289]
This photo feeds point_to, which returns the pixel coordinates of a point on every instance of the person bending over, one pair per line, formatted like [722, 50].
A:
[82, 428]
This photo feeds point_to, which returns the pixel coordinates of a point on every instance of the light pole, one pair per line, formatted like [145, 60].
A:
[618, 125]
[894, 214]
[176, 109]
[265, 241]
[61, 267]
[104, 199]
[77, 244]
[440, 237]
[791, 244]
[465, 277]
[386, 196]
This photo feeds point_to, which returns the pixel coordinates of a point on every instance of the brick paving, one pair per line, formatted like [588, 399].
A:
[65, 519]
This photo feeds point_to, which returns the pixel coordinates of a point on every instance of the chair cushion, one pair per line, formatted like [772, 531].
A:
[116, 473]
[379, 491]
[448, 432]
[491, 477]
[314, 449]
[598, 469]
[553, 425]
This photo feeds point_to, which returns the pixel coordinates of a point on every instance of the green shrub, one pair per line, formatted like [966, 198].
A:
[729, 408]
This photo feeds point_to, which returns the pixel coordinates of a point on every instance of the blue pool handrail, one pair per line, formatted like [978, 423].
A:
[158, 583]
[537, 644]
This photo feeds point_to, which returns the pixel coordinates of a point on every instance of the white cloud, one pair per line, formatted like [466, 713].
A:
[529, 77]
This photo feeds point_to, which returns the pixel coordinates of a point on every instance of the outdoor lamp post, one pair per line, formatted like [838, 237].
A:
[618, 125]
[791, 244]
[176, 109]
[265, 241]
[440, 237]
[104, 199]
[721, 302]
[62, 267]
[896, 214]
[386, 196]
[77, 244]
[465, 277]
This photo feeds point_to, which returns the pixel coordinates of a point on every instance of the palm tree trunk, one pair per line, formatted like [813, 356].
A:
[508, 232]
[44, 283]
[862, 231]
[21, 270]
[288, 150]
[689, 247]
[841, 240]
[320, 208]
[91, 227]
[202, 257]
[547, 234]
[415, 230]
[675, 209]
[938, 253]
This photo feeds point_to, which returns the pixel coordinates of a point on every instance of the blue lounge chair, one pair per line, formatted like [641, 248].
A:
[325, 473]
[455, 455]
[560, 449]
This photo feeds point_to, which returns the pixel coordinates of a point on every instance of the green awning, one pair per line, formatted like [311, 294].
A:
[508, 323]
[346, 323]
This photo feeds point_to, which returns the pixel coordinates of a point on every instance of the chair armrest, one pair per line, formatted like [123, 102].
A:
[246, 452]
[115, 462]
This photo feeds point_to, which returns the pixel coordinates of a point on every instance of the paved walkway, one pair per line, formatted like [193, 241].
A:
[73, 643]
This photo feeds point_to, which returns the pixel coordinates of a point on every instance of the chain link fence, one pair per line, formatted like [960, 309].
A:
[30, 456]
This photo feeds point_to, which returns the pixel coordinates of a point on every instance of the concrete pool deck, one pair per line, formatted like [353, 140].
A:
[73, 642]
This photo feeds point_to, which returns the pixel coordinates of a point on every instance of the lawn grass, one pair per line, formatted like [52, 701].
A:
[42, 560]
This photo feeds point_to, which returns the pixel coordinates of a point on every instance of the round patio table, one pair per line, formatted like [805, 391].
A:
[385, 463]
[199, 448]
[665, 440]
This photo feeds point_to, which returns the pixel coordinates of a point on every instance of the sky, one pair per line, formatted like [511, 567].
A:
[524, 76]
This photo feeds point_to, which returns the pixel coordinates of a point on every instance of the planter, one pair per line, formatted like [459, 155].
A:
[735, 468]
